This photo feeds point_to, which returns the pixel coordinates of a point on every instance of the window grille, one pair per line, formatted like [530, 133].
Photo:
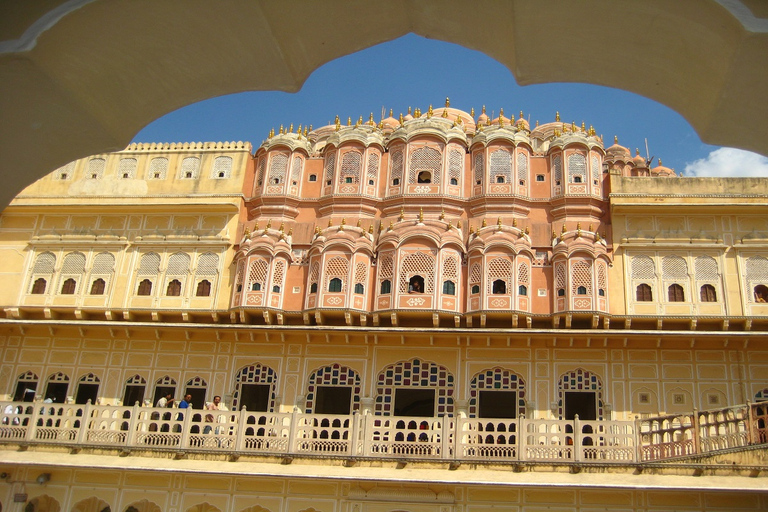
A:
[255, 374]
[674, 267]
[337, 267]
[278, 169]
[373, 167]
[498, 379]
[361, 273]
[158, 169]
[757, 277]
[58, 377]
[580, 380]
[602, 281]
[418, 264]
[455, 166]
[560, 276]
[557, 166]
[239, 276]
[296, 170]
[596, 168]
[207, 264]
[397, 166]
[257, 274]
[522, 274]
[479, 168]
[522, 167]
[222, 168]
[90, 379]
[65, 172]
[149, 264]
[136, 379]
[425, 159]
[74, 263]
[499, 269]
[96, 169]
[501, 166]
[197, 382]
[350, 166]
[476, 274]
[127, 168]
[178, 264]
[330, 164]
[262, 168]
[386, 286]
[705, 268]
[450, 268]
[414, 374]
[577, 168]
[386, 267]
[190, 168]
[333, 375]
[314, 273]
[103, 264]
[277, 276]
[165, 381]
[643, 268]
[581, 277]
[44, 264]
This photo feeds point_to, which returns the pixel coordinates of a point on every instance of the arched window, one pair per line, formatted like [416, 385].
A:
[174, 288]
[276, 288]
[359, 288]
[313, 288]
[68, 287]
[424, 177]
[499, 287]
[256, 287]
[643, 293]
[98, 286]
[676, 293]
[708, 293]
[475, 288]
[386, 286]
[416, 284]
[334, 285]
[561, 292]
[145, 287]
[38, 288]
[581, 290]
[203, 288]
[313, 177]
[449, 288]
[522, 290]
[761, 293]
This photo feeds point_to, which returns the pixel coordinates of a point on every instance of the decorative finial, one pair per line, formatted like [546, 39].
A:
[526, 230]
[421, 215]
[498, 223]
[370, 120]
[554, 235]
[256, 226]
[637, 152]
[290, 129]
[381, 227]
[472, 112]
[485, 224]
[290, 232]
[343, 222]
[615, 139]
[271, 133]
[401, 119]
[578, 225]
[514, 223]
[330, 222]
[597, 237]
[563, 230]
[471, 230]
[282, 227]
[402, 214]
[360, 121]
[483, 112]
[659, 162]
[338, 124]
[573, 126]
[442, 214]
[409, 110]
[391, 226]
[417, 112]
[358, 223]
[447, 102]
[537, 123]
[370, 228]
[269, 224]
[305, 131]
[458, 224]
[557, 117]
[429, 111]
[590, 228]
[390, 112]
[247, 232]
[444, 115]
[281, 129]
[582, 127]
[450, 226]
[317, 230]
[521, 115]
[349, 121]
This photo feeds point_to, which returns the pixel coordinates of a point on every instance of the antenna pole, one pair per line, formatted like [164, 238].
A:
[647, 154]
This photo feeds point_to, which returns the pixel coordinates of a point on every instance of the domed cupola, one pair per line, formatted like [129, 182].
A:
[662, 172]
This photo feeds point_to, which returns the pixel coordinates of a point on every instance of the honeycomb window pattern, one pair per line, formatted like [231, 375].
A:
[255, 374]
[497, 379]
[425, 159]
[579, 380]
[414, 374]
[337, 267]
[333, 375]
[420, 264]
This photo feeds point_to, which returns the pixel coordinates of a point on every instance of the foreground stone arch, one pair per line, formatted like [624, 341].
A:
[83, 77]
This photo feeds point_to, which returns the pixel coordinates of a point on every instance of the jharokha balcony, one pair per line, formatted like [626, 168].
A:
[161, 432]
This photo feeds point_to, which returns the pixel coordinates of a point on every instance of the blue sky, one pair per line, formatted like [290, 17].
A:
[413, 71]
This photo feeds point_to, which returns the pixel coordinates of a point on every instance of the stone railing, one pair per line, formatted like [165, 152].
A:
[368, 436]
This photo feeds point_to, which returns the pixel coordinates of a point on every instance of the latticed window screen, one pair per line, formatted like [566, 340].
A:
[497, 379]
[330, 164]
[522, 167]
[350, 166]
[222, 168]
[476, 274]
[577, 168]
[166, 381]
[643, 268]
[65, 172]
[522, 274]
[581, 276]
[560, 276]
[674, 267]
[262, 169]
[296, 169]
[149, 264]
[499, 269]
[314, 273]
[373, 166]
[239, 276]
[596, 170]
[580, 380]
[414, 374]
[277, 276]
[278, 169]
[136, 380]
[501, 166]
[90, 379]
[58, 377]
[158, 169]
[450, 268]
[478, 168]
[44, 263]
[255, 374]
[557, 166]
[386, 267]
[190, 168]
[425, 159]
[333, 375]
[756, 275]
[127, 168]
[361, 273]
[337, 267]
[103, 263]
[257, 274]
[207, 264]
[455, 166]
[96, 169]
[418, 264]
[197, 382]
[602, 281]
[397, 166]
[705, 268]
[74, 263]
[178, 264]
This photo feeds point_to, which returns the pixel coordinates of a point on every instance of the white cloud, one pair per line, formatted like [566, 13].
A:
[729, 162]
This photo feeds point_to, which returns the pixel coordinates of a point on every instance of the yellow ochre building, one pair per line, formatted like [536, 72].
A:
[436, 312]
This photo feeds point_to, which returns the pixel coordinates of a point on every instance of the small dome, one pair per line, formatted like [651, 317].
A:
[408, 116]
[638, 160]
[660, 170]
[390, 123]
[483, 117]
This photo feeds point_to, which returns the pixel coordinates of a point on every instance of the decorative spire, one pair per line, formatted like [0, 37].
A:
[247, 232]
[401, 119]
[338, 124]
[583, 129]
[445, 113]
[317, 230]
[271, 133]
[472, 112]
[390, 112]
[360, 121]
[498, 223]
[483, 112]
[290, 232]
[514, 223]
[269, 224]
[557, 117]
[343, 222]
[329, 222]
[290, 129]
[371, 121]
[447, 102]
[597, 237]
[282, 227]
[458, 224]
[521, 115]
[391, 226]
[402, 214]
[659, 162]
[526, 230]
[349, 121]
[421, 215]
[615, 139]
[442, 214]
[359, 223]
[409, 110]
[485, 224]
[417, 112]
[305, 131]
[430, 112]
[554, 235]
[563, 230]
[370, 229]
[537, 123]
[281, 129]
[256, 226]
[573, 126]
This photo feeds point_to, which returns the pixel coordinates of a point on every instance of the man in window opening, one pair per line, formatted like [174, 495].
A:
[415, 286]
[165, 401]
